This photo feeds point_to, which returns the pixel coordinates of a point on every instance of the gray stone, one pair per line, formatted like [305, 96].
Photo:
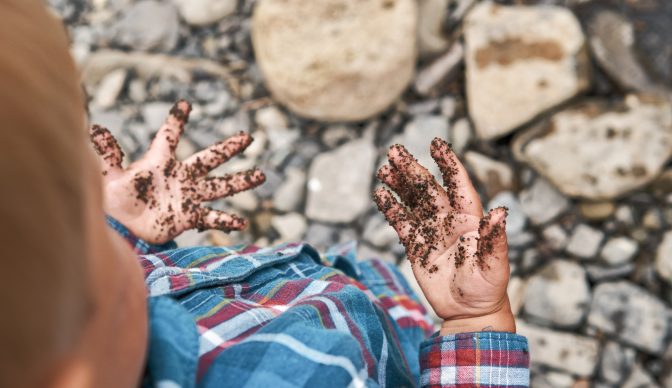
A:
[321, 236]
[630, 313]
[291, 226]
[585, 241]
[597, 211]
[155, 113]
[109, 88]
[556, 237]
[461, 135]
[567, 352]
[639, 377]
[147, 25]
[336, 135]
[431, 38]
[558, 294]
[291, 192]
[245, 200]
[617, 362]
[516, 220]
[204, 12]
[612, 39]
[664, 258]
[448, 107]
[542, 202]
[599, 150]
[332, 61]
[520, 62]
[418, 135]
[339, 182]
[423, 108]
[270, 117]
[494, 176]
[440, 70]
[599, 273]
[619, 250]
[378, 232]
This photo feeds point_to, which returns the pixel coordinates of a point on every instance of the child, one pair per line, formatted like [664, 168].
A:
[82, 309]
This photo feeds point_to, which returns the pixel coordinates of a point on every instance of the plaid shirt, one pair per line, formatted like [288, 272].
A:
[285, 316]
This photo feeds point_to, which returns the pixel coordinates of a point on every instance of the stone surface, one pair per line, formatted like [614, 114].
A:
[291, 192]
[585, 241]
[558, 294]
[461, 135]
[494, 175]
[339, 182]
[331, 60]
[639, 377]
[520, 62]
[556, 237]
[109, 88]
[597, 211]
[440, 70]
[612, 39]
[617, 362]
[290, 227]
[148, 25]
[417, 136]
[560, 350]
[597, 151]
[378, 232]
[431, 15]
[542, 202]
[619, 250]
[516, 220]
[664, 258]
[631, 314]
[204, 12]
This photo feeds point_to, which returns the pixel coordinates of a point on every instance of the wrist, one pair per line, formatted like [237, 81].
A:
[500, 320]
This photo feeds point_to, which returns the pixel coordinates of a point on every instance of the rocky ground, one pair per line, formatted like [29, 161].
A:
[561, 110]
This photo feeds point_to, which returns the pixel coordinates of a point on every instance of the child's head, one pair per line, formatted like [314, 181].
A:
[72, 298]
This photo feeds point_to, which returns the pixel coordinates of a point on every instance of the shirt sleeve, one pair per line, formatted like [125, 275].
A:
[140, 247]
[493, 359]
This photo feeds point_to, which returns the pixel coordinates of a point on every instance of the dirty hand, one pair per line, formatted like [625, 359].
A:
[159, 197]
[458, 256]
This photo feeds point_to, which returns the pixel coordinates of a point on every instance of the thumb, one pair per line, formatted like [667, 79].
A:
[493, 249]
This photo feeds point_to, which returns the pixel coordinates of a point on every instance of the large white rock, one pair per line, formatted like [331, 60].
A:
[565, 351]
[598, 151]
[631, 314]
[558, 294]
[204, 12]
[521, 61]
[339, 182]
[336, 60]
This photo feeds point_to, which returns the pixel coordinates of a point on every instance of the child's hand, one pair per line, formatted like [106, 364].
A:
[459, 257]
[158, 197]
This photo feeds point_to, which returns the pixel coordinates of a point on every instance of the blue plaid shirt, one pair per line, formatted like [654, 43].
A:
[286, 316]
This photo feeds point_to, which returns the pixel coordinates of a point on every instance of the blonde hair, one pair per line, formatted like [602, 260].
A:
[43, 291]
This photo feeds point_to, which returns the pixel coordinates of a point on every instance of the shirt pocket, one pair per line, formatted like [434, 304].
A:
[183, 270]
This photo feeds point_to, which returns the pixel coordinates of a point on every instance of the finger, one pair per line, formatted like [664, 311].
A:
[389, 176]
[166, 139]
[219, 187]
[215, 219]
[420, 190]
[206, 160]
[395, 213]
[492, 243]
[461, 193]
[107, 148]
